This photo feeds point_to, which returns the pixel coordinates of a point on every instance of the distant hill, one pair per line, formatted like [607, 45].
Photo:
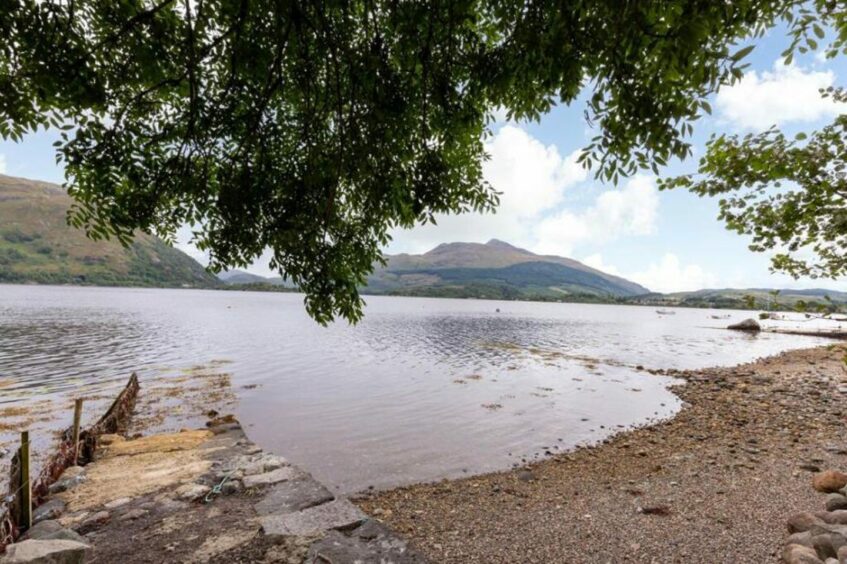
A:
[37, 245]
[241, 277]
[748, 298]
[496, 270]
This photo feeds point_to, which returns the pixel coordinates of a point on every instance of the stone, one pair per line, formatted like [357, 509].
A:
[294, 495]
[232, 487]
[134, 514]
[829, 481]
[94, 522]
[51, 530]
[191, 492]
[264, 464]
[842, 555]
[798, 554]
[54, 551]
[338, 514]
[370, 542]
[801, 522]
[115, 503]
[750, 325]
[837, 517]
[825, 545]
[49, 510]
[836, 501]
[268, 478]
[525, 476]
[64, 484]
[804, 538]
[73, 472]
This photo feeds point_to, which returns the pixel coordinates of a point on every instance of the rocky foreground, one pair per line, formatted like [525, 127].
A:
[717, 483]
[205, 495]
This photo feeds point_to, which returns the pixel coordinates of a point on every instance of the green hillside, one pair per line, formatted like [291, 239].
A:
[37, 245]
[496, 270]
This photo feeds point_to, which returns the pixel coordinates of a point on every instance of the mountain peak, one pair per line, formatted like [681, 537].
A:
[498, 244]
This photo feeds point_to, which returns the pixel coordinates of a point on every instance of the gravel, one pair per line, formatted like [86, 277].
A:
[716, 483]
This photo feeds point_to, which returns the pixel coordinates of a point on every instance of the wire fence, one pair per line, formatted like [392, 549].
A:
[68, 452]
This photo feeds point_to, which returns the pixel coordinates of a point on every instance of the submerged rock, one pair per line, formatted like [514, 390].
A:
[750, 325]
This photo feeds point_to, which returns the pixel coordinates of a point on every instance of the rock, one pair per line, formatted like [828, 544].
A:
[223, 420]
[266, 463]
[54, 551]
[747, 325]
[94, 522]
[842, 555]
[526, 476]
[191, 492]
[268, 478]
[370, 542]
[294, 495]
[837, 517]
[804, 538]
[49, 510]
[134, 514]
[232, 487]
[829, 481]
[798, 554]
[338, 514]
[115, 503]
[826, 545]
[836, 501]
[801, 522]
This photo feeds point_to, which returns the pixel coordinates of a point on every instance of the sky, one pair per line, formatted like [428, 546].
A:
[666, 241]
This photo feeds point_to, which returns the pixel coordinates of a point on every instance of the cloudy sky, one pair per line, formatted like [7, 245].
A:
[665, 241]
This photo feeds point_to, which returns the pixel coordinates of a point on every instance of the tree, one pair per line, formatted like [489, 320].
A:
[788, 193]
[314, 128]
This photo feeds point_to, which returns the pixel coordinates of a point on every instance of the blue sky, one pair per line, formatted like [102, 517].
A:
[668, 241]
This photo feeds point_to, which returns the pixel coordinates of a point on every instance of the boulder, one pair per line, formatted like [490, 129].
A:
[835, 502]
[750, 325]
[842, 555]
[798, 554]
[49, 510]
[829, 481]
[801, 522]
[54, 551]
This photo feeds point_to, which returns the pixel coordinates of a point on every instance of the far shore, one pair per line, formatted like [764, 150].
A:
[715, 483]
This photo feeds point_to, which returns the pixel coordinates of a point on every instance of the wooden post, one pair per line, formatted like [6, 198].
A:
[26, 485]
[77, 418]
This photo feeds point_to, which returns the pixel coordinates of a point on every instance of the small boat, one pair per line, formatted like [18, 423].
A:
[665, 312]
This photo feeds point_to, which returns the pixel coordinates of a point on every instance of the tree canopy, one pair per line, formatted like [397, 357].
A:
[788, 192]
[314, 128]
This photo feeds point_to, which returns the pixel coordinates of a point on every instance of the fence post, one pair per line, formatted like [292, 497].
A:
[26, 485]
[77, 418]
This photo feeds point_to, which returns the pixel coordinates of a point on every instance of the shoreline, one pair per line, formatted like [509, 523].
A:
[714, 483]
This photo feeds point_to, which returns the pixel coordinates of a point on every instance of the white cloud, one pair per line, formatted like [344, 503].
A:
[2, 163]
[667, 275]
[532, 179]
[596, 261]
[670, 275]
[631, 210]
[787, 94]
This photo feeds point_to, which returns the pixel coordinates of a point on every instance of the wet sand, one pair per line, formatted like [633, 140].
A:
[716, 483]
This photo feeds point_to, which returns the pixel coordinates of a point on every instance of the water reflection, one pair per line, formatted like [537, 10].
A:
[421, 389]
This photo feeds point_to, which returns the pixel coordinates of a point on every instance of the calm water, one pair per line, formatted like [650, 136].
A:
[421, 389]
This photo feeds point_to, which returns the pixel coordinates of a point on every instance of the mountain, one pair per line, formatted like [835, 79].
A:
[37, 245]
[748, 298]
[241, 277]
[496, 270]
